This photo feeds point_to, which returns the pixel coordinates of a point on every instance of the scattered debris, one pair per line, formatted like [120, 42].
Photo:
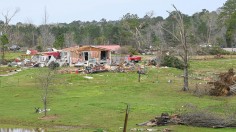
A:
[38, 110]
[88, 77]
[152, 130]
[162, 120]
[153, 62]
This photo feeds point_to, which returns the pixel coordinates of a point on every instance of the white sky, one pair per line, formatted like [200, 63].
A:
[59, 11]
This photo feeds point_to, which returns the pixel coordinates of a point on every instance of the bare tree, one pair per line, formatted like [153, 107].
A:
[5, 27]
[7, 19]
[45, 81]
[47, 37]
[181, 37]
[69, 39]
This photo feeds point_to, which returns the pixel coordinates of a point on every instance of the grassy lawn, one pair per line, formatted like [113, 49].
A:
[80, 104]
[12, 55]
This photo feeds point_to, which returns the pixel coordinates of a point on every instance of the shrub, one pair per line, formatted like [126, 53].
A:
[132, 51]
[53, 65]
[172, 61]
[39, 48]
[218, 50]
[212, 51]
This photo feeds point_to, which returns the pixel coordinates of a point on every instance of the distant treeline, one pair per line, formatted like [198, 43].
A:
[204, 28]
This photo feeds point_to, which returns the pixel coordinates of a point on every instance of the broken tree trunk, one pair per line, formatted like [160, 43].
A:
[126, 118]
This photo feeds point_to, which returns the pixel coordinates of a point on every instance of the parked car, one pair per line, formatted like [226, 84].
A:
[14, 47]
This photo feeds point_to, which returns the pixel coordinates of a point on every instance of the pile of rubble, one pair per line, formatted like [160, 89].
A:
[68, 70]
[95, 69]
[225, 85]
[123, 67]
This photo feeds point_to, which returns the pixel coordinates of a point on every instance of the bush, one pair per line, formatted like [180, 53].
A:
[53, 65]
[132, 51]
[218, 50]
[212, 51]
[172, 61]
[39, 48]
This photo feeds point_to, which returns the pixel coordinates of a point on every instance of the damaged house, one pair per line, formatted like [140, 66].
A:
[74, 56]
[87, 55]
[45, 58]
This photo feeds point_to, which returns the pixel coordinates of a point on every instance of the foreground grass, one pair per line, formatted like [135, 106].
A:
[81, 104]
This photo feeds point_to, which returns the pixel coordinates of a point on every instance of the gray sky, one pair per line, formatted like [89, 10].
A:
[59, 11]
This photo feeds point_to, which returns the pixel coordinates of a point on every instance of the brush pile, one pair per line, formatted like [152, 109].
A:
[193, 117]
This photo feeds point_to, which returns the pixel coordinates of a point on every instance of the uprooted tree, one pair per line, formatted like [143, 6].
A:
[225, 85]
[181, 36]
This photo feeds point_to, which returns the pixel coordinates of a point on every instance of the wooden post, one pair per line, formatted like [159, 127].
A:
[126, 118]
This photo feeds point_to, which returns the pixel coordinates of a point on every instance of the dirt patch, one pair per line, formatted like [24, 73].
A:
[48, 117]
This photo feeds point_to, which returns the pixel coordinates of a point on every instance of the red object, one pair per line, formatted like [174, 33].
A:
[33, 52]
[55, 54]
[17, 60]
[134, 58]
[77, 71]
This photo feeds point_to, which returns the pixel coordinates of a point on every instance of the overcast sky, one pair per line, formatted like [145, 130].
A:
[59, 11]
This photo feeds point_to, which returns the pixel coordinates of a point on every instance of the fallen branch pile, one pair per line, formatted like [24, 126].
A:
[162, 120]
[194, 118]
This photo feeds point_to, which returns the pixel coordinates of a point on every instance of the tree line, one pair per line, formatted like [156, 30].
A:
[216, 28]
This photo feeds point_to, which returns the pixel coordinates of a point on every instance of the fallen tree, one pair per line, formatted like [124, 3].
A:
[192, 116]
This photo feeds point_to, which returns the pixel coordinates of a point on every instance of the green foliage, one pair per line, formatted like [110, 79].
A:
[172, 61]
[228, 18]
[39, 48]
[132, 51]
[53, 65]
[59, 42]
[122, 32]
[213, 51]
[217, 50]
[228, 11]
[130, 21]
[4, 39]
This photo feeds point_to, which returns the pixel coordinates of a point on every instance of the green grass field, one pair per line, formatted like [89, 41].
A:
[79, 104]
